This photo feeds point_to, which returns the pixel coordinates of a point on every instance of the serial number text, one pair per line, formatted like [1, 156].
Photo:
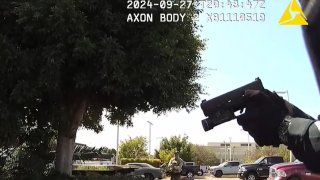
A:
[236, 17]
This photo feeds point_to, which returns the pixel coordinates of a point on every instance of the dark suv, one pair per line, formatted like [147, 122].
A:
[259, 169]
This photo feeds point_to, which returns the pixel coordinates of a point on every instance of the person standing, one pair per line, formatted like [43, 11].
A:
[175, 166]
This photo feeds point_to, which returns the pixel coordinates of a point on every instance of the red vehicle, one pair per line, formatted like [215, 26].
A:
[291, 171]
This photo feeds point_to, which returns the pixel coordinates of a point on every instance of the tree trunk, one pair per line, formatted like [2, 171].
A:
[68, 126]
[64, 155]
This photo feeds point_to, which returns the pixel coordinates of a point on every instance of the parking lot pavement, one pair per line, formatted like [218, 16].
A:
[210, 177]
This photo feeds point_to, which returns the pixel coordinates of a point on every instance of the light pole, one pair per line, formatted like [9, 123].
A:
[225, 151]
[287, 93]
[248, 144]
[117, 155]
[150, 124]
[284, 92]
[230, 150]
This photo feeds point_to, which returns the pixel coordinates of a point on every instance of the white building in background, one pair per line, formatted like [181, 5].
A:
[234, 151]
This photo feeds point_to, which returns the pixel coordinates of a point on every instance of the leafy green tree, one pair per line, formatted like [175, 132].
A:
[63, 62]
[165, 155]
[133, 148]
[23, 163]
[178, 143]
[284, 152]
[269, 151]
[204, 155]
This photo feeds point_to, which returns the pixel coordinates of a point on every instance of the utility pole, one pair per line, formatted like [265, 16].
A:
[225, 151]
[248, 150]
[117, 155]
[150, 124]
[230, 158]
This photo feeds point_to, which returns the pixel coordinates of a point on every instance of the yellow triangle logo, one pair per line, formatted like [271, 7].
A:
[293, 15]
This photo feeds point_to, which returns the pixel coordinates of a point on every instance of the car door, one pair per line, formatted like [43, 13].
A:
[227, 168]
[263, 168]
[234, 167]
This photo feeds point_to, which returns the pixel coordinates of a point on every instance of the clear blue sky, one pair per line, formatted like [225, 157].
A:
[240, 52]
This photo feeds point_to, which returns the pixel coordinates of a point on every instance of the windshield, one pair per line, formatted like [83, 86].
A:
[258, 160]
[222, 164]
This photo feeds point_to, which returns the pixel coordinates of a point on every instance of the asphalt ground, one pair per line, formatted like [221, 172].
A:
[211, 177]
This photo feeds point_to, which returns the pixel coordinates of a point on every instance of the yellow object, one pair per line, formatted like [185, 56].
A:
[293, 15]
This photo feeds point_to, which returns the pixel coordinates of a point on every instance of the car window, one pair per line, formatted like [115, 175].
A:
[275, 160]
[265, 161]
[223, 164]
[234, 163]
[227, 164]
[258, 160]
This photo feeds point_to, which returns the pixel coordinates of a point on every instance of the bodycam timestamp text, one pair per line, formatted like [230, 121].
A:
[142, 11]
[141, 5]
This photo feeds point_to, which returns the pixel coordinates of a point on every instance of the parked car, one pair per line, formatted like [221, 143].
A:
[203, 169]
[259, 169]
[190, 169]
[147, 170]
[226, 168]
[291, 171]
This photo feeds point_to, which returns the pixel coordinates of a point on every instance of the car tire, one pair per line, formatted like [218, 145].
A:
[200, 173]
[294, 178]
[190, 174]
[251, 176]
[218, 173]
[149, 176]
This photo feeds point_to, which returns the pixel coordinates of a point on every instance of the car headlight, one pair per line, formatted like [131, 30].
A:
[281, 173]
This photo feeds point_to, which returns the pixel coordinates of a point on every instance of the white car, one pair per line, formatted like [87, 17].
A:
[226, 168]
